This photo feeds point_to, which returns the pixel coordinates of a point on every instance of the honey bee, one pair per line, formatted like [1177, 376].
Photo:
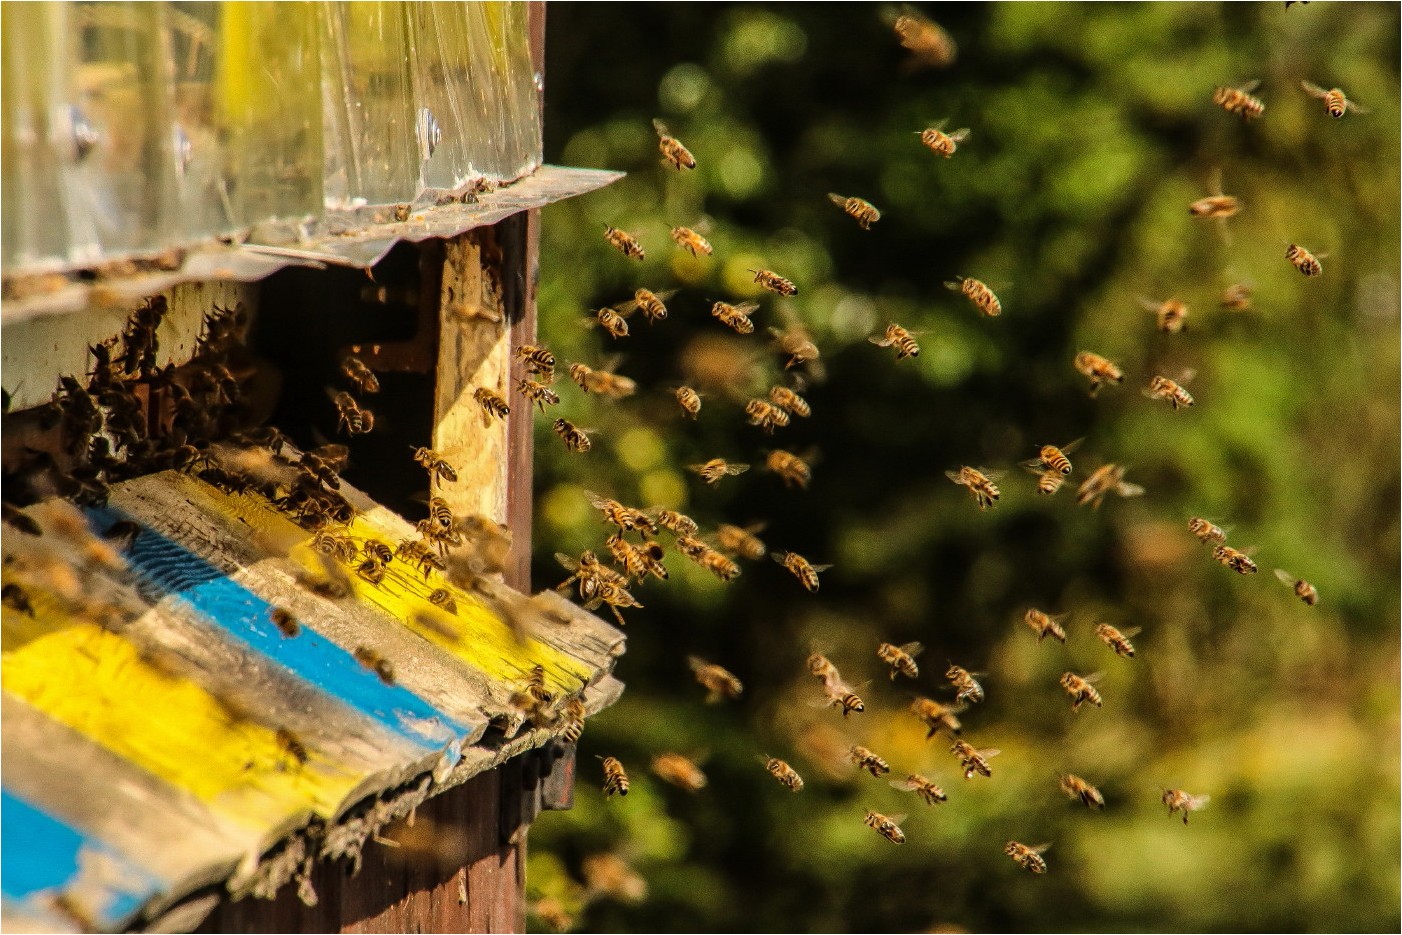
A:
[976, 292]
[963, 680]
[841, 696]
[792, 469]
[1237, 561]
[869, 761]
[822, 667]
[14, 596]
[574, 720]
[415, 552]
[931, 793]
[589, 572]
[1214, 206]
[689, 400]
[615, 596]
[1239, 100]
[492, 404]
[774, 282]
[1303, 260]
[610, 321]
[679, 771]
[362, 376]
[1081, 690]
[807, 574]
[615, 779]
[1107, 478]
[1170, 314]
[1303, 589]
[716, 468]
[766, 416]
[690, 241]
[651, 304]
[1179, 801]
[351, 417]
[797, 343]
[678, 523]
[979, 482]
[435, 464]
[936, 716]
[941, 143]
[1207, 532]
[282, 618]
[973, 761]
[708, 558]
[629, 556]
[789, 401]
[1334, 100]
[1161, 387]
[624, 243]
[292, 745]
[1078, 788]
[1236, 297]
[864, 211]
[788, 776]
[901, 659]
[1054, 459]
[537, 360]
[443, 599]
[928, 42]
[375, 663]
[1098, 370]
[672, 149]
[736, 317]
[1117, 640]
[625, 518]
[575, 439]
[20, 521]
[888, 828]
[903, 340]
[720, 683]
[1028, 858]
[538, 393]
[1048, 482]
[372, 570]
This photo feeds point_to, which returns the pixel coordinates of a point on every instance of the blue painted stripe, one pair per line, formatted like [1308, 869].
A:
[167, 568]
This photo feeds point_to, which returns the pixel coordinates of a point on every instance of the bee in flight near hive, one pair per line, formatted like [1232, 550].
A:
[708, 558]
[651, 304]
[719, 682]
[1179, 801]
[806, 573]
[865, 759]
[743, 542]
[575, 439]
[537, 360]
[735, 317]
[1045, 625]
[976, 292]
[840, 695]
[1216, 205]
[941, 143]
[679, 771]
[604, 382]
[615, 596]
[624, 242]
[903, 340]
[362, 376]
[537, 393]
[689, 400]
[1117, 640]
[888, 828]
[974, 762]
[1106, 478]
[1028, 858]
[1238, 561]
[963, 680]
[864, 211]
[492, 404]
[1304, 261]
[901, 659]
[672, 149]
[774, 282]
[1052, 458]
[691, 242]
[1239, 100]
[766, 415]
[1207, 532]
[615, 778]
[626, 518]
[1171, 315]
[936, 716]
[1236, 297]
[1334, 100]
[927, 790]
[929, 44]
[1048, 481]
[716, 468]
[1077, 788]
[789, 401]
[376, 663]
[1098, 370]
[979, 482]
[589, 572]
[797, 343]
[435, 463]
[350, 416]
[788, 776]
[610, 321]
[1081, 690]
[1161, 387]
[1302, 588]
[679, 523]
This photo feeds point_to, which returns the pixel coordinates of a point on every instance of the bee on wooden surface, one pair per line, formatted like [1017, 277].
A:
[973, 762]
[440, 514]
[615, 778]
[292, 745]
[435, 463]
[1052, 458]
[930, 45]
[1105, 479]
[788, 776]
[1304, 261]
[574, 715]
[1081, 690]
[651, 304]
[806, 573]
[1239, 100]
[901, 659]
[689, 400]
[903, 340]
[624, 242]
[792, 469]
[941, 143]
[350, 417]
[1334, 100]
[442, 598]
[774, 282]
[330, 582]
[678, 523]
[371, 569]
[841, 696]
[865, 759]
[1028, 858]
[888, 827]
[1238, 561]
[15, 597]
[610, 321]
[719, 682]
[362, 376]
[1161, 387]
[1206, 531]
[979, 294]
[672, 149]
[376, 663]
[1179, 801]
[1077, 788]
[931, 793]
[286, 623]
[538, 393]
[691, 242]
[679, 771]
[963, 680]
[1302, 588]
[716, 468]
[575, 439]
[492, 404]
[789, 401]
[1170, 315]
[797, 343]
[979, 482]
[766, 415]
[735, 317]
[1098, 370]
[1117, 640]
[537, 360]
[864, 211]
[1236, 297]
[743, 542]
[936, 716]
[323, 464]
[414, 552]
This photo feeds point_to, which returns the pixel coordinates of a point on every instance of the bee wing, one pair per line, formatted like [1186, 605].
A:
[839, 200]
[991, 475]
[568, 562]
[1250, 86]
[1033, 466]
[903, 784]
[1355, 107]
[819, 568]
[1131, 631]
[627, 308]
[989, 753]
[913, 649]
[955, 285]
[897, 818]
[1070, 447]
[660, 127]
[745, 308]
[1186, 375]
[1196, 802]
[698, 468]
[780, 557]
[1313, 90]
[1093, 677]
[954, 476]
[736, 468]
[1285, 577]
[881, 340]
[1040, 848]
[1149, 305]
[960, 135]
[1126, 489]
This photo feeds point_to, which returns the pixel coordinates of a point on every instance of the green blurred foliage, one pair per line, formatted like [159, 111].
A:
[1093, 128]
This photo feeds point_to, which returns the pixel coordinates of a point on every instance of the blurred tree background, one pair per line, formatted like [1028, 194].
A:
[1093, 127]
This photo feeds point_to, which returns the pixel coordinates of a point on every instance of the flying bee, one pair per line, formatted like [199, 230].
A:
[865, 759]
[931, 793]
[963, 680]
[615, 596]
[766, 415]
[1098, 370]
[901, 659]
[376, 663]
[14, 596]
[625, 518]
[1239, 100]
[1303, 260]
[719, 682]
[941, 143]
[1028, 858]
[822, 667]
[575, 713]
[930, 45]
[1081, 690]
[1236, 297]
[435, 464]
[1207, 532]
[716, 468]
[362, 376]
[1302, 588]
[979, 482]
[1170, 314]
[610, 321]
[789, 401]
[736, 317]
[690, 241]
[744, 542]
[708, 558]
[679, 771]
[537, 360]
[672, 149]
[1177, 800]
[651, 304]
[1117, 640]
[575, 439]
[1052, 458]
[624, 242]
[842, 697]
[604, 382]
[1238, 561]
[1048, 482]
[973, 761]
[1161, 387]
[689, 400]
[788, 776]
[678, 523]
[1334, 100]
[774, 282]
[807, 574]
[936, 716]
[439, 513]
[589, 572]
[864, 211]
[282, 618]
[980, 295]
[792, 469]
[903, 340]
[888, 828]
[351, 417]
[615, 778]
[492, 404]
[628, 556]
[1078, 788]
[1106, 478]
